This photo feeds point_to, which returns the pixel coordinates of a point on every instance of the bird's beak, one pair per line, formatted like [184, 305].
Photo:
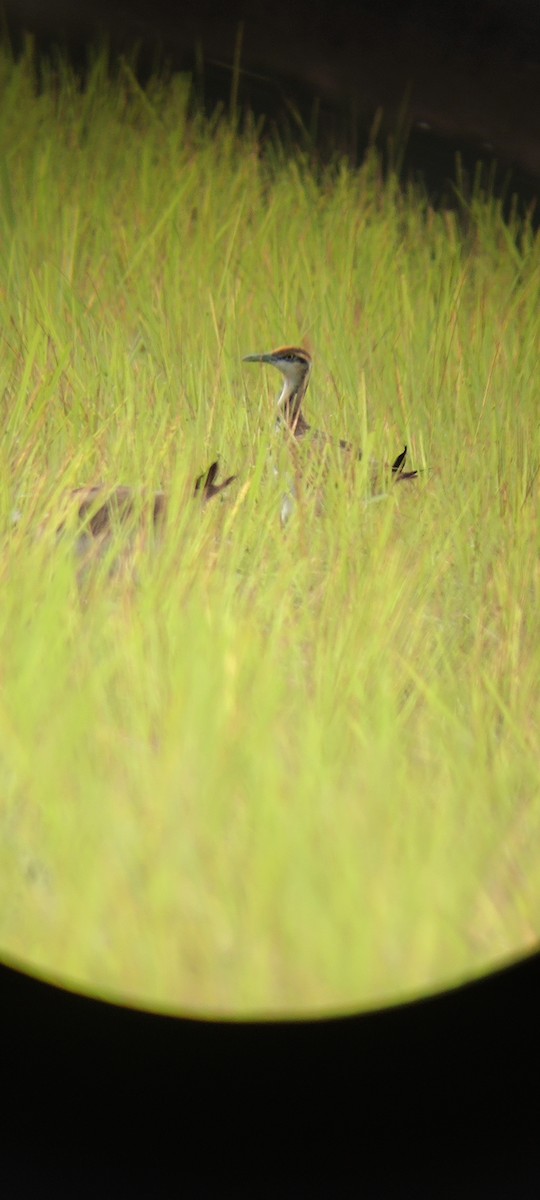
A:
[258, 358]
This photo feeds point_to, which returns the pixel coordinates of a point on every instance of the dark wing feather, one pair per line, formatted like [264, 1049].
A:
[208, 485]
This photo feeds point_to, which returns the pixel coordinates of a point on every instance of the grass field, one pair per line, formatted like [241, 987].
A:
[261, 770]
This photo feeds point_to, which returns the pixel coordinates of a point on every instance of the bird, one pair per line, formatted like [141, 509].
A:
[295, 364]
[100, 509]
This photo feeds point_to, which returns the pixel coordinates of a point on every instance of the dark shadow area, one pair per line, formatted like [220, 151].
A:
[435, 80]
[437, 1098]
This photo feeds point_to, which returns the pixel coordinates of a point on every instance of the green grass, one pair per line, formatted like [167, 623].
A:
[261, 771]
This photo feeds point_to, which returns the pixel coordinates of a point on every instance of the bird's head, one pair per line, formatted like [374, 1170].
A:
[295, 365]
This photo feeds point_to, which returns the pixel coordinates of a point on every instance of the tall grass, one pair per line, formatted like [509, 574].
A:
[263, 770]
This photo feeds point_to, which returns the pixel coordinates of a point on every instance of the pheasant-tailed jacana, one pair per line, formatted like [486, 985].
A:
[295, 365]
[101, 509]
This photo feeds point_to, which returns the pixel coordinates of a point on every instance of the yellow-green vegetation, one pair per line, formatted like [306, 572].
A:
[260, 770]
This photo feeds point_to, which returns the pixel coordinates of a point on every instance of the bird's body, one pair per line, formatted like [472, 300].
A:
[99, 510]
[295, 365]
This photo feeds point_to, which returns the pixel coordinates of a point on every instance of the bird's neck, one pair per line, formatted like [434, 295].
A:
[290, 407]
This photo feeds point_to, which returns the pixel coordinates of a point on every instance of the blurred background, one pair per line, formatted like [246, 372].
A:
[424, 80]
